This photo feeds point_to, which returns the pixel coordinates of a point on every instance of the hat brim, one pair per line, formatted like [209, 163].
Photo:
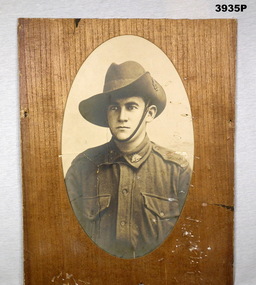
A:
[94, 109]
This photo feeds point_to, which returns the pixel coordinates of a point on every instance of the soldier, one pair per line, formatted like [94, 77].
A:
[128, 193]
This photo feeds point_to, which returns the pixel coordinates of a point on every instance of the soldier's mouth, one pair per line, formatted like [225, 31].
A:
[122, 127]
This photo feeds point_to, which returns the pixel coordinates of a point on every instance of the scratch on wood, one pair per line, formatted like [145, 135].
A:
[231, 208]
[194, 248]
[24, 113]
[67, 278]
[84, 281]
[193, 220]
[77, 22]
[188, 234]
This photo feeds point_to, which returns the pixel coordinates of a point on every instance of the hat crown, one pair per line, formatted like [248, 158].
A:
[120, 75]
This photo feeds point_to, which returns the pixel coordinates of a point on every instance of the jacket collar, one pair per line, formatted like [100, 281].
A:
[135, 158]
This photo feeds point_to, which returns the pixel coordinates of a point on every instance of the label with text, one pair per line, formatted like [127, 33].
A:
[230, 7]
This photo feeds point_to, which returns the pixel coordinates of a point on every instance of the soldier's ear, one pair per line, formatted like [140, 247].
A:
[152, 110]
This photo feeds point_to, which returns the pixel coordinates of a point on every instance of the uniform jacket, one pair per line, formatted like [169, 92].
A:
[128, 203]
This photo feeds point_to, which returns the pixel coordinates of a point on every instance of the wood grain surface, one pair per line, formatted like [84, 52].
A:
[56, 249]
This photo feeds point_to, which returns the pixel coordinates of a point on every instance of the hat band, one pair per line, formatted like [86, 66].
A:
[116, 84]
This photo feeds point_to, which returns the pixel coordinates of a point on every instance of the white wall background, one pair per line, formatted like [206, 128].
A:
[11, 257]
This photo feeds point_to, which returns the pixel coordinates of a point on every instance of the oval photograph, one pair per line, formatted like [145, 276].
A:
[127, 146]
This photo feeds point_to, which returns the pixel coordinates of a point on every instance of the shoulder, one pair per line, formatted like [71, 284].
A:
[170, 155]
[93, 155]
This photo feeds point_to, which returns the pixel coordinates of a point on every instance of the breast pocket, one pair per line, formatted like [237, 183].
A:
[163, 207]
[94, 207]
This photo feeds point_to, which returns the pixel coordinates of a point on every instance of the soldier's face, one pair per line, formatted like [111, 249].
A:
[124, 116]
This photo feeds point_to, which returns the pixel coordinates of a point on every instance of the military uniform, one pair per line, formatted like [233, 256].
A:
[128, 203]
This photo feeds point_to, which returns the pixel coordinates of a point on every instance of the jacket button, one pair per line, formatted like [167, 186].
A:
[125, 191]
[122, 223]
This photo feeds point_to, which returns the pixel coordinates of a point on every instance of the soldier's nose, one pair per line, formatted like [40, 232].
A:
[122, 115]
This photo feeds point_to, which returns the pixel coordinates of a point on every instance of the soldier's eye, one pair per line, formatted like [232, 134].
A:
[132, 107]
[113, 108]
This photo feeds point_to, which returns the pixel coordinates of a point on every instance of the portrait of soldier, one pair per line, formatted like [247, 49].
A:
[129, 192]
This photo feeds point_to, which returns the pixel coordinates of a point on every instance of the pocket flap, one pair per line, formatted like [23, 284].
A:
[163, 207]
[93, 206]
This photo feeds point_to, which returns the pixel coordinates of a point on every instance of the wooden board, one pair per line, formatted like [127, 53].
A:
[56, 249]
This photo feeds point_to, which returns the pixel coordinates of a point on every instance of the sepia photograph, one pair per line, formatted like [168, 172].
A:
[127, 181]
